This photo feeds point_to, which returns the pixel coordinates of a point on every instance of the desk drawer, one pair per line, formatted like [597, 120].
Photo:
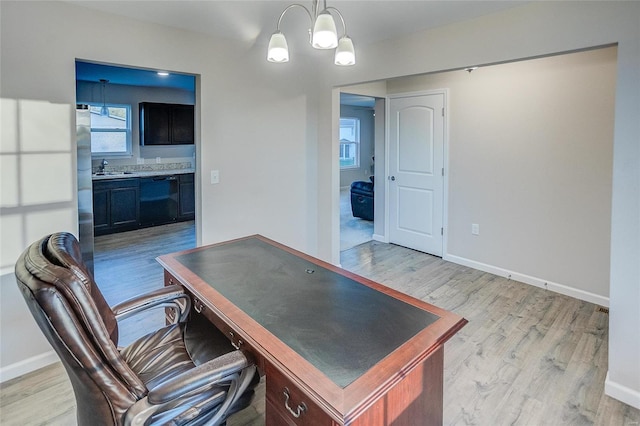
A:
[287, 405]
[236, 338]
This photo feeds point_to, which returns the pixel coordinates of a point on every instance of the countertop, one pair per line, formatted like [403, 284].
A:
[140, 174]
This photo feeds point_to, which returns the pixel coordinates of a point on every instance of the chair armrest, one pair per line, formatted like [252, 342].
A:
[209, 373]
[233, 370]
[172, 296]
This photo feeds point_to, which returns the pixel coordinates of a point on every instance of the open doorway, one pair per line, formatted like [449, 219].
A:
[357, 169]
[136, 174]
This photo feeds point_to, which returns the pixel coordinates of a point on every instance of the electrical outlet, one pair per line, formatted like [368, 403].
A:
[140, 160]
[158, 160]
[475, 229]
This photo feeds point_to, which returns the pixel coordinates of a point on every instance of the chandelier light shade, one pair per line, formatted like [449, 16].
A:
[322, 35]
[345, 53]
[278, 49]
[325, 35]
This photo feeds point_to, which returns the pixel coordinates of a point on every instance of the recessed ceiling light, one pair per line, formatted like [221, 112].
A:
[163, 73]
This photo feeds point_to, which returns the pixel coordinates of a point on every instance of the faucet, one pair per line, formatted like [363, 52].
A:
[102, 164]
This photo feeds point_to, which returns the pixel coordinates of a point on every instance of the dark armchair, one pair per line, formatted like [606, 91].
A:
[362, 199]
[186, 373]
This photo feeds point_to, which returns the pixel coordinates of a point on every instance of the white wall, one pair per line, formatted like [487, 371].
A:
[623, 379]
[37, 159]
[288, 115]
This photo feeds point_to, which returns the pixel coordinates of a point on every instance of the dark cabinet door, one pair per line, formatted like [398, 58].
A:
[115, 205]
[124, 207]
[166, 124]
[182, 124]
[155, 120]
[101, 210]
[187, 204]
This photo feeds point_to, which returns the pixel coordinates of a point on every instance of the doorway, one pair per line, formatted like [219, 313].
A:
[357, 169]
[116, 88]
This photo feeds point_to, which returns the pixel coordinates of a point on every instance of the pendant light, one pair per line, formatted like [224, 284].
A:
[323, 36]
[104, 111]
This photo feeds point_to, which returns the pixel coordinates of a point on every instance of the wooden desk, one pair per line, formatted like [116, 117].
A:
[336, 348]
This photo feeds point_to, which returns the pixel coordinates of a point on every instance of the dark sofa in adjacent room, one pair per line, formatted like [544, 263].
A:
[362, 199]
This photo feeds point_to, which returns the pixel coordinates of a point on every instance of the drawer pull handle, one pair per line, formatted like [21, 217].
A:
[301, 408]
[198, 306]
[235, 345]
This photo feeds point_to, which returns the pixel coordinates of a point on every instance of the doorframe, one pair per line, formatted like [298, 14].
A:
[445, 152]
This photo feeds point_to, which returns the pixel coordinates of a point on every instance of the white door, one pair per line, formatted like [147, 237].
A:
[416, 169]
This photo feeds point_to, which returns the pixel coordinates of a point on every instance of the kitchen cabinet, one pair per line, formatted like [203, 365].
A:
[115, 205]
[187, 197]
[133, 203]
[166, 124]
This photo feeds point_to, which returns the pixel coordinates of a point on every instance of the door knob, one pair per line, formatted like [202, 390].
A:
[392, 178]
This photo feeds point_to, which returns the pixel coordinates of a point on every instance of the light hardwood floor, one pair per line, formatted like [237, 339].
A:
[527, 357]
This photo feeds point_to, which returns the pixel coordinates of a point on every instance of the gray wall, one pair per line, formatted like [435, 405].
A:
[530, 161]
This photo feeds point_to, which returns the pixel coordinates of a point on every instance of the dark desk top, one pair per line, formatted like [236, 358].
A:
[339, 325]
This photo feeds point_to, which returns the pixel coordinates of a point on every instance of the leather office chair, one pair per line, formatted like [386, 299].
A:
[186, 373]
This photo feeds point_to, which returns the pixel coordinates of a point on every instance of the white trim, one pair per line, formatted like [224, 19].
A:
[534, 281]
[27, 366]
[378, 237]
[6, 270]
[621, 393]
[445, 178]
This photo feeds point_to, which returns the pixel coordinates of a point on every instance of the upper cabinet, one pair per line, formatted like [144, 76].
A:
[166, 124]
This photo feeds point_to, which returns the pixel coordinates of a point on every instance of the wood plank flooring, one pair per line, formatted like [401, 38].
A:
[527, 357]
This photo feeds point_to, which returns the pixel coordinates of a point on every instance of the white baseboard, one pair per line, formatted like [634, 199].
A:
[537, 282]
[378, 237]
[621, 393]
[27, 366]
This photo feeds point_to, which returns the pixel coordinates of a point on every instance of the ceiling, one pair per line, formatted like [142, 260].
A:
[253, 21]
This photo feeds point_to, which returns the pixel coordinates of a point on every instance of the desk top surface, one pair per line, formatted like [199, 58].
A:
[339, 325]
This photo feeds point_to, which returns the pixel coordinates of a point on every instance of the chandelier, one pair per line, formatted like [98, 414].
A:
[323, 36]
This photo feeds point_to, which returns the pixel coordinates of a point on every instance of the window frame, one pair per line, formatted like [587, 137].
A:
[357, 142]
[126, 131]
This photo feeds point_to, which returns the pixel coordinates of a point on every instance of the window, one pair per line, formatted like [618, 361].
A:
[349, 143]
[111, 133]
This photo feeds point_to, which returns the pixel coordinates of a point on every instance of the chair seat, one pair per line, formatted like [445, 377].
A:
[158, 356]
[172, 350]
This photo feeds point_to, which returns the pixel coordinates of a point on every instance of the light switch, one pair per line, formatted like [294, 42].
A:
[475, 229]
[215, 176]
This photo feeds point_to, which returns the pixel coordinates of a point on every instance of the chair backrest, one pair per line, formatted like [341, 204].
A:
[76, 320]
